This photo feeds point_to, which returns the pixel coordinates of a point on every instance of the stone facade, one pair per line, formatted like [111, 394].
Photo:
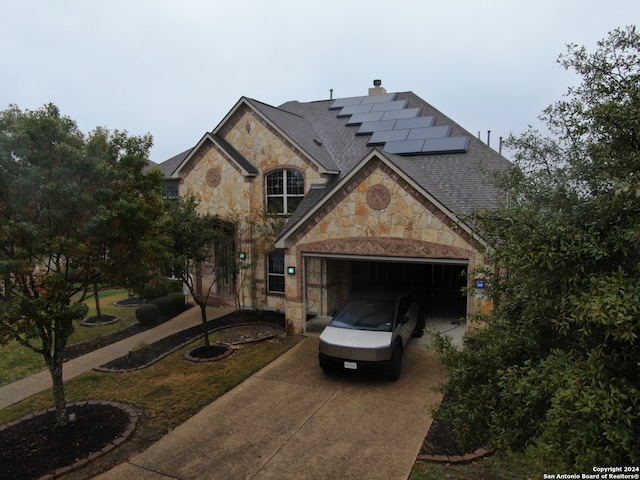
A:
[394, 221]
[221, 187]
[377, 212]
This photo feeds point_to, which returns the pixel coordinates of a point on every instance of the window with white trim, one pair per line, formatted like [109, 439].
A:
[285, 191]
[275, 272]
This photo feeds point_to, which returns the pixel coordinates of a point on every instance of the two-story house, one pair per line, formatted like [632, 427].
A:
[370, 189]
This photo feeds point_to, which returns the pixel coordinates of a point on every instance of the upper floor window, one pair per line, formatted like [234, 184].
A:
[285, 191]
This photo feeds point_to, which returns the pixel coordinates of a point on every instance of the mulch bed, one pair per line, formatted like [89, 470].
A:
[441, 445]
[34, 447]
[149, 354]
[99, 320]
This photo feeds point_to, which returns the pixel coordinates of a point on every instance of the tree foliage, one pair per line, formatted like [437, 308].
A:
[71, 209]
[193, 238]
[555, 369]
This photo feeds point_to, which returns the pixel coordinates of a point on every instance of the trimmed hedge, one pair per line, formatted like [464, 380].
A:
[161, 288]
[176, 301]
[148, 314]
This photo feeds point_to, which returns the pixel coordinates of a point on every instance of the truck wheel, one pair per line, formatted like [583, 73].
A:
[396, 363]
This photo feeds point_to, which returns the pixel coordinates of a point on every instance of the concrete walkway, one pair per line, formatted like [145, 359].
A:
[292, 421]
[18, 391]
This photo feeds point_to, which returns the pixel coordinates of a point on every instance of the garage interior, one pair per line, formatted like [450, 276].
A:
[442, 282]
[329, 280]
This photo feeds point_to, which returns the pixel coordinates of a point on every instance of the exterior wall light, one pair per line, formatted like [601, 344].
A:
[291, 270]
[242, 256]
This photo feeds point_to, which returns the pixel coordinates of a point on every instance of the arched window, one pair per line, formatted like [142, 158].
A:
[285, 191]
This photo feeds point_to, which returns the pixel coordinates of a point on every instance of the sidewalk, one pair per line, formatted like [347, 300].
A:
[18, 391]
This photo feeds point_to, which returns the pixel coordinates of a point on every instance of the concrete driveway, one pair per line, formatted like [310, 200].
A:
[292, 421]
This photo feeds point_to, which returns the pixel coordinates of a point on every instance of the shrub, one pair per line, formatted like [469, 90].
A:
[163, 303]
[176, 300]
[160, 288]
[147, 314]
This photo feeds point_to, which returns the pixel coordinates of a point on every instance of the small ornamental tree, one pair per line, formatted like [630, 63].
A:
[555, 370]
[192, 241]
[65, 223]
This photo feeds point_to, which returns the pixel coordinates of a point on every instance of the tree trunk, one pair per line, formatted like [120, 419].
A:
[203, 313]
[97, 298]
[55, 368]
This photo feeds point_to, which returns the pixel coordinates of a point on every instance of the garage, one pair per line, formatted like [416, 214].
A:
[330, 279]
[442, 282]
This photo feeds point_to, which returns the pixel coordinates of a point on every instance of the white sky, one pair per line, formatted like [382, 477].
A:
[175, 68]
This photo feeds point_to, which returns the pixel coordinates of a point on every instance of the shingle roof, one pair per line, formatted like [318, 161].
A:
[168, 167]
[249, 167]
[300, 130]
[461, 181]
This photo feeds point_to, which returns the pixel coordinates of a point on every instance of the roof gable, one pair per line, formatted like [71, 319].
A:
[321, 199]
[296, 130]
[224, 147]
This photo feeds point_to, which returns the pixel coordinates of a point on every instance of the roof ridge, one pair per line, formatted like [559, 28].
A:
[253, 100]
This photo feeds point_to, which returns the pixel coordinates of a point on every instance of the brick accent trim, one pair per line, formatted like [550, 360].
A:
[386, 247]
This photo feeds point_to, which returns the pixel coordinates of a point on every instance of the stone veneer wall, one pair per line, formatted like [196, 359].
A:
[220, 187]
[395, 221]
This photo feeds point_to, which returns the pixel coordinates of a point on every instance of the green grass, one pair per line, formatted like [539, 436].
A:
[17, 361]
[170, 391]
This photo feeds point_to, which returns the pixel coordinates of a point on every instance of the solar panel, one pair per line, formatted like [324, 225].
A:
[384, 106]
[430, 132]
[343, 102]
[352, 109]
[359, 118]
[418, 122]
[385, 97]
[378, 138]
[370, 127]
[446, 145]
[404, 113]
[404, 147]
[399, 129]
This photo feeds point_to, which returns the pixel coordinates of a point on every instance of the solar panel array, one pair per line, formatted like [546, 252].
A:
[398, 129]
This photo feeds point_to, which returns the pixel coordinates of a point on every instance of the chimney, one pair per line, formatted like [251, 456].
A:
[377, 89]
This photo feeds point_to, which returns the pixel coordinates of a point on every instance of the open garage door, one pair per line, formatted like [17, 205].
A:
[329, 279]
[443, 282]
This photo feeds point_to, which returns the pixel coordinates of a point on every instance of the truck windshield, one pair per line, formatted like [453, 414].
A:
[366, 314]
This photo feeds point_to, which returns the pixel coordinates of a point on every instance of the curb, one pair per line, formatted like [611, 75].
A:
[478, 454]
[133, 421]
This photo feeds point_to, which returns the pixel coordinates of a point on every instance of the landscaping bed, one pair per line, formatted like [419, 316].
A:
[32, 446]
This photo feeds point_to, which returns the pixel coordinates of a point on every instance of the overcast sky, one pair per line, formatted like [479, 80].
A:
[175, 68]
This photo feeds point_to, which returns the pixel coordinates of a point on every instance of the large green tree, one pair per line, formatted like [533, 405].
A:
[73, 209]
[555, 371]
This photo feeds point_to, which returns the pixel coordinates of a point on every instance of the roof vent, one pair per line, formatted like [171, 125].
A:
[377, 89]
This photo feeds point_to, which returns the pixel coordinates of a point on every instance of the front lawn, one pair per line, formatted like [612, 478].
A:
[166, 393]
[17, 362]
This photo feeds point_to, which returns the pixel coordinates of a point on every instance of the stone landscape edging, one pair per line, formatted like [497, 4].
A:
[224, 354]
[478, 454]
[178, 347]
